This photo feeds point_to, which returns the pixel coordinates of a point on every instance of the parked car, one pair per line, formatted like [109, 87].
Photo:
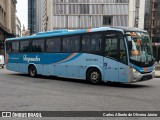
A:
[2, 61]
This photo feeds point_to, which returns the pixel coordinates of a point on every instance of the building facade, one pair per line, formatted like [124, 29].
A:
[32, 16]
[81, 14]
[7, 21]
[41, 15]
[18, 27]
[152, 25]
[49, 19]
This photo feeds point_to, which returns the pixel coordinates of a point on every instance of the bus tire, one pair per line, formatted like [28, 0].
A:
[94, 76]
[32, 71]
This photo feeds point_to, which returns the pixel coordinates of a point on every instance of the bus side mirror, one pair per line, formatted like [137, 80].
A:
[130, 45]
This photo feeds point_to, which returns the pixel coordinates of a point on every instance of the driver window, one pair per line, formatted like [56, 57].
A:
[123, 56]
[111, 48]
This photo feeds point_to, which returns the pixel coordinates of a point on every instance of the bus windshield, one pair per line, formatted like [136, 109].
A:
[141, 52]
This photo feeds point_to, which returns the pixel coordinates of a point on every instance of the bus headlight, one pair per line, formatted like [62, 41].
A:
[135, 71]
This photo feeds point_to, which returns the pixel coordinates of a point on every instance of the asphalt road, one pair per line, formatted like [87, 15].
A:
[19, 92]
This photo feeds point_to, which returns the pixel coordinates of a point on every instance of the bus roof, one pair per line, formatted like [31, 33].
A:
[130, 29]
[72, 32]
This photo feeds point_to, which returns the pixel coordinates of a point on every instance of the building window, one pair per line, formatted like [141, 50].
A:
[156, 31]
[84, 9]
[155, 39]
[1, 48]
[58, 1]
[74, 9]
[121, 1]
[60, 9]
[156, 5]
[107, 20]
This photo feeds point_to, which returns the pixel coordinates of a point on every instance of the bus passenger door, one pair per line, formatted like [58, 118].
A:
[111, 57]
[123, 64]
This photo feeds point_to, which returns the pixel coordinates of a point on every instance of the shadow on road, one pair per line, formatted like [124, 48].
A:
[126, 85]
[108, 84]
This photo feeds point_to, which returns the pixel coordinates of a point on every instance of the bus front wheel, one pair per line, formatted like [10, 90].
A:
[94, 76]
[32, 71]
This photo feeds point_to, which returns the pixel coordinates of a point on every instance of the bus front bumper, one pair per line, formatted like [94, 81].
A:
[138, 77]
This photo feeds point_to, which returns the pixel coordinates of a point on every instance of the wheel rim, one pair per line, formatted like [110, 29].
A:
[32, 71]
[94, 76]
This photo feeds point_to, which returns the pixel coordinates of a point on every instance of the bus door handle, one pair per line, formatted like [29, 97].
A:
[116, 68]
[121, 68]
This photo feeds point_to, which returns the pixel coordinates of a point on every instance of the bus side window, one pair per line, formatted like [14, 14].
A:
[15, 47]
[75, 43]
[53, 45]
[111, 47]
[24, 46]
[9, 47]
[86, 44]
[38, 46]
[66, 44]
[96, 41]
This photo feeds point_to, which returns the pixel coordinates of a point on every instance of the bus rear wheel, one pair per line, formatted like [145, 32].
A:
[32, 71]
[94, 76]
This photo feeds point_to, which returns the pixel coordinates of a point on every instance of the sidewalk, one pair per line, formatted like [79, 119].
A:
[157, 65]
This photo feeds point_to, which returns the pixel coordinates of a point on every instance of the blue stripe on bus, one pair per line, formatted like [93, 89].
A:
[141, 69]
[72, 58]
[42, 58]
